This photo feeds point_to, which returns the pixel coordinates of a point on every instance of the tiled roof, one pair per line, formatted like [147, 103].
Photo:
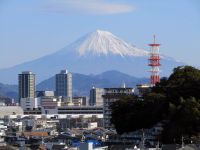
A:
[42, 147]
[74, 131]
[36, 133]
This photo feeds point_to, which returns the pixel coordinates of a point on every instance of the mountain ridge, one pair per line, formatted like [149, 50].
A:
[69, 58]
[81, 83]
[103, 42]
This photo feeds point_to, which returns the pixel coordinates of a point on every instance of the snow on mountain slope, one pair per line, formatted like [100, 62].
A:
[105, 43]
[94, 53]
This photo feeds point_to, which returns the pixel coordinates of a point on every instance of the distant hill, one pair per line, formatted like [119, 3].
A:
[82, 83]
[10, 91]
[95, 52]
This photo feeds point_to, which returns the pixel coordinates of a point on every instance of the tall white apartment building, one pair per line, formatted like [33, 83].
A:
[27, 90]
[111, 95]
[64, 85]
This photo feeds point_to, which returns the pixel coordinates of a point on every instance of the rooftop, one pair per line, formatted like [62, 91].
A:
[36, 133]
[119, 88]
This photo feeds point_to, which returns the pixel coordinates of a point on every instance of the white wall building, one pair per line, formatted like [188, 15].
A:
[92, 125]
[50, 105]
[2, 133]
[81, 110]
[112, 95]
[84, 100]
[29, 103]
[96, 96]
[143, 88]
[10, 110]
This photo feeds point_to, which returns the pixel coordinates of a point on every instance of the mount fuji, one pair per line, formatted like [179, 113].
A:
[94, 53]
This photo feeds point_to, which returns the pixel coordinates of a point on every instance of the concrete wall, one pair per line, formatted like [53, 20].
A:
[10, 110]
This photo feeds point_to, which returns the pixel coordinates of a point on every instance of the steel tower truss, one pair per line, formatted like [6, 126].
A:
[154, 62]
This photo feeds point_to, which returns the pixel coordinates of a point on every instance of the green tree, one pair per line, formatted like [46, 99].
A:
[175, 99]
[184, 82]
[130, 114]
[184, 120]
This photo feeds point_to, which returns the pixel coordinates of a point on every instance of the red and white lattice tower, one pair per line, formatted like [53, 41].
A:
[154, 62]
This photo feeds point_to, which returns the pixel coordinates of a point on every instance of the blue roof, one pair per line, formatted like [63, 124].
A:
[94, 142]
[76, 144]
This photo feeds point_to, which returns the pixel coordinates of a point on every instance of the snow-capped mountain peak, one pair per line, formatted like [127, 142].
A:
[94, 53]
[104, 43]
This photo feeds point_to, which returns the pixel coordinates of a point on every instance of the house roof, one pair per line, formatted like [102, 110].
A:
[187, 147]
[119, 88]
[36, 133]
[42, 147]
[8, 147]
[117, 96]
[58, 146]
[74, 131]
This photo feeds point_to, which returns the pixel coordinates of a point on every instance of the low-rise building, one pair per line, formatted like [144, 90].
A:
[10, 110]
[6, 100]
[50, 105]
[84, 100]
[77, 101]
[80, 110]
[45, 93]
[29, 103]
[2, 132]
[143, 88]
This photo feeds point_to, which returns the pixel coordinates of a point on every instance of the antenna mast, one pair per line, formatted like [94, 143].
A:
[154, 63]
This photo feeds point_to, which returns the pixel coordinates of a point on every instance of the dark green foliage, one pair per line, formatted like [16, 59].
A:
[130, 114]
[184, 82]
[184, 120]
[176, 99]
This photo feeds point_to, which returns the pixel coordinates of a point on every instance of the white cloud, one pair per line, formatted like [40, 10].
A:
[92, 7]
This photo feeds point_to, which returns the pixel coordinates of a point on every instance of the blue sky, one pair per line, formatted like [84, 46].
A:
[34, 28]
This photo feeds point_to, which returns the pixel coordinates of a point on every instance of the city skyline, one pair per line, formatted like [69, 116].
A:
[38, 28]
[132, 78]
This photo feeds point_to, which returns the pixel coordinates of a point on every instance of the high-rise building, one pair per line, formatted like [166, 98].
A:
[26, 85]
[64, 85]
[113, 95]
[96, 96]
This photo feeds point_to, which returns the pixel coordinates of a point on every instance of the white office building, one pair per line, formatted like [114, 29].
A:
[96, 96]
[29, 103]
[111, 95]
[27, 90]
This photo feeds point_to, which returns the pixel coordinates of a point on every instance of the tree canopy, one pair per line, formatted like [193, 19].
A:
[175, 99]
